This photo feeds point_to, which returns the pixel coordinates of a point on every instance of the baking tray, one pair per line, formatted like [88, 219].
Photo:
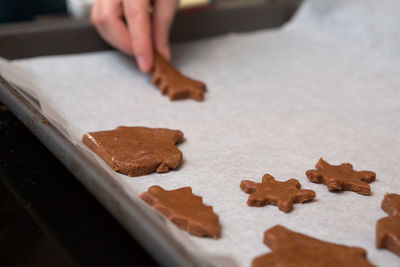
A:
[78, 36]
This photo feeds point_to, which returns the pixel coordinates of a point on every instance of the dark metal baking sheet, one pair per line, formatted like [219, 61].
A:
[76, 36]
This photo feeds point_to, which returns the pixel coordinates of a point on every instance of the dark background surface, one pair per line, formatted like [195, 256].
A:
[40, 224]
[20, 10]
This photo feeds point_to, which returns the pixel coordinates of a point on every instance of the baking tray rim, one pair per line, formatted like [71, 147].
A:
[160, 243]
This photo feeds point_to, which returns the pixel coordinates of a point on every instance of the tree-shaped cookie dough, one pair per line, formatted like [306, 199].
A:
[342, 177]
[388, 228]
[184, 209]
[281, 194]
[172, 82]
[291, 249]
[136, 151]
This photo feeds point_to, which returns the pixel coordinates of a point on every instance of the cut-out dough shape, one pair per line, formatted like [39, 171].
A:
[391, 204]
[281, 194]
[184, 209]
[342, 177]
[388, 228]
[291, 249]
[137, 151]
[173, 83]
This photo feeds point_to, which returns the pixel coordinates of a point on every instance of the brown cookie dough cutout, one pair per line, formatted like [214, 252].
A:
[388, 234]
[292, 249]
[341, 178]
[391, 204]
[281, 194]
[388, 228]
[184, 209]
[137, 151]
[172, 82]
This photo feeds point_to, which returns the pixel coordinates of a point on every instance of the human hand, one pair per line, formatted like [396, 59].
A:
[141, 32]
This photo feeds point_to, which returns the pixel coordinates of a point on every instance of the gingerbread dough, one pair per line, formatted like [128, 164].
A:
[291, 249]
[391, 204]
[342, 177]
[172, 82]
[137, 151]
[388, 228]
[184, 209]
[388, 234]
[281, 194]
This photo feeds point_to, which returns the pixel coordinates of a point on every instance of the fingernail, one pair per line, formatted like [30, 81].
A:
[143, 63]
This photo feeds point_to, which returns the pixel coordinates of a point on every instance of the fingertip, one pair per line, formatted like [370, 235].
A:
[163, 17]
[145, 63]
[164, 51]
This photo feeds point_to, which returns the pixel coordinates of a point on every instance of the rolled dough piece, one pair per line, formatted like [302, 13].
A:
[184, 209]
[291, 249]
[137, 151]
[281, 194]
[391, 204]
[175, 84]
[342, 177]
[388, 228]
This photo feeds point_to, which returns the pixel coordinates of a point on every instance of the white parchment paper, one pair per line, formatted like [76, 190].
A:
[325, 85]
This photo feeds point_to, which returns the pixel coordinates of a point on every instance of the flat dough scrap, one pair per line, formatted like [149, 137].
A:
[184, 209]
[281, 194]
[175, 84]
[292, 249]
[391, 204]
[137, 151]
[342, 177]
[388, 228]
[388, 234]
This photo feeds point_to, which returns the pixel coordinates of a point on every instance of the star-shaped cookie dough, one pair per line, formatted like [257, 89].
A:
[172, 82]
[342, 177]
[281, 194]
